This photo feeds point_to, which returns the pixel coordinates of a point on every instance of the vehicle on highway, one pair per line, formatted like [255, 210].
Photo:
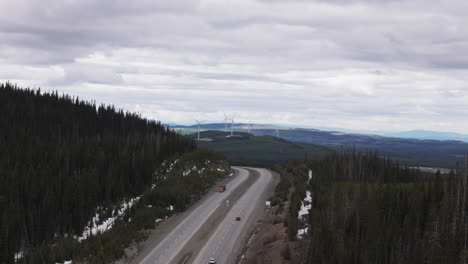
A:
[238, 218]
[212, 261]
[221, 188]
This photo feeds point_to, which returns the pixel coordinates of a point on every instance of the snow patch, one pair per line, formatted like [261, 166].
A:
[302, 232]
[304, 210]
[66, 262]
[108, 223]
[171, 166]
[305, 207]
[19, 255]
[310, 175]
[194, 168]
[308, 197]
[158, 220]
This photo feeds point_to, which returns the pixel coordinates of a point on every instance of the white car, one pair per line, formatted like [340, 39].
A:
[212, 261]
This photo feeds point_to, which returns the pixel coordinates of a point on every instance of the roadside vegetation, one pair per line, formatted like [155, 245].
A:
[178, 183]
[366, 209]
[70, 169]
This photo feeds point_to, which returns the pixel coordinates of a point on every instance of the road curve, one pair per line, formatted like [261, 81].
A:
[223, 245]
[170, 246]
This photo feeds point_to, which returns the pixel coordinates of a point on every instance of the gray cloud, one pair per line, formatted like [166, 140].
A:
[360, 64]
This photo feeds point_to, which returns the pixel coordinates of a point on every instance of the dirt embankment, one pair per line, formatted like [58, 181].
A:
[270, 244]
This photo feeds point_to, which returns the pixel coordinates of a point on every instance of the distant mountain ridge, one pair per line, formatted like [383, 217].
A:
[411, 134]
[410, 151]
[424, 134]
[247, 149]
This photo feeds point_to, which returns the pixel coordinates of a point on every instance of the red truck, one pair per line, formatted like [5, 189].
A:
[221, 188]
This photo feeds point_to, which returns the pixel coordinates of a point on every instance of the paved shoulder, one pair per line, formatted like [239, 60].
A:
[226, 242]
[174, 241]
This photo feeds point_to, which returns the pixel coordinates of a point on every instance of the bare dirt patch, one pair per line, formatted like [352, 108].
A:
[270, 242]
[270, 239]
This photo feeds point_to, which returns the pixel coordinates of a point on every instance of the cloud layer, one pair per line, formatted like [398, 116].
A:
[358, 64]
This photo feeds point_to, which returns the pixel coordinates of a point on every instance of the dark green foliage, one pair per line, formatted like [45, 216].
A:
[367, 209]
[61, 157]
[292, 187]
[432, 153]
[259, 150]
[173, 190]
[201, 155]
[287, 253]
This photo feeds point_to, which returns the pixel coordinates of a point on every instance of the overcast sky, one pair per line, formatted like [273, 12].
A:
[387, 65]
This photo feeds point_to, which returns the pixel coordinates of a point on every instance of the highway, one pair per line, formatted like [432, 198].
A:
[226, 242]
[210, 228]
[170, 246]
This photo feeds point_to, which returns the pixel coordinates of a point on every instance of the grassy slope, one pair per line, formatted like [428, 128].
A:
[260, 149]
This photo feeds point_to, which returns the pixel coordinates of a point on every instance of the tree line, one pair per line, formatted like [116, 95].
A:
[61, 157]
[172, 193]
[371, 209]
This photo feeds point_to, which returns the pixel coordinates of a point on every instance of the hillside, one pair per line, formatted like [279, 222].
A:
[430, 153]
[246, 148]
[351, 207]
[410, 151]
[422, 134]
[177, 184]
[61, 159]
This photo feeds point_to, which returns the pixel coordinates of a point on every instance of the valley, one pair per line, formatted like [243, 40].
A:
[412, 152]
[134, 191]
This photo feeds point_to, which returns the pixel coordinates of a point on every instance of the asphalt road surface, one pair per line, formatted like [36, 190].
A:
[168, 248]
[210, 228]
[224, 244]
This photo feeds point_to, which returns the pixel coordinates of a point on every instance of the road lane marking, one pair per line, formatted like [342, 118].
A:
[198, 215]
[240, 207]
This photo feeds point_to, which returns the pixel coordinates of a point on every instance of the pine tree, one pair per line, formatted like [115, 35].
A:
[62, 157]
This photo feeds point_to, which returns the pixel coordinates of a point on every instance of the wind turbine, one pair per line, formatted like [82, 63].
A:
[232, 122]
[226, 118]
[249, 127]
[276, 133]
[199, 122]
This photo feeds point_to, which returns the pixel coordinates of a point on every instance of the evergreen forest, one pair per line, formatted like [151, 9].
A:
[370, 209]
[62, 157]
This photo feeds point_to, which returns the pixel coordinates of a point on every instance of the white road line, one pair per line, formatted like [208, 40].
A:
[199, 215]
[243, 207]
